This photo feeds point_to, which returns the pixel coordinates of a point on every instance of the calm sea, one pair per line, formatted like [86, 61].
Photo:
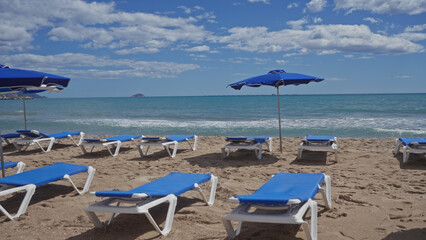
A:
[377, 115]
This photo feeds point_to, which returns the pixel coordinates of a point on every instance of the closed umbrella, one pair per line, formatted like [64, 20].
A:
[12, 79]
[276, 78]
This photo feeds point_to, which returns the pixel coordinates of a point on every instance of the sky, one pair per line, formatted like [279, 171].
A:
[192, 48]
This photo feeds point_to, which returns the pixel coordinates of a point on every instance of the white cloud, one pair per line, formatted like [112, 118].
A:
[86, 66]
[317, 19]
[411, 7]
[316, 5]
[414, 33]
[281, 62]
[371, 20]
[93, 24]
[297, 24]
[203, 48]
[261, 1]
[320, 39]
[348, 56]
[293, 5]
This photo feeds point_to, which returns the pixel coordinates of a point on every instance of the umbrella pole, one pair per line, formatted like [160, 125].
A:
[1, 156]
[279, 118]
[25, 111]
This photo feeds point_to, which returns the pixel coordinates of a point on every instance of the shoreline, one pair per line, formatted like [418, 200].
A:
[371, 190]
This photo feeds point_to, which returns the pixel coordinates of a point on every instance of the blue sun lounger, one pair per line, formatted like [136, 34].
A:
[410, 145]
[318, 143]
[19, 165]
[288, 196]
[167, 142]
[108, 142]
[7, 137]
[147, 196]
[29, 180]
[31, 137]
[249, 142]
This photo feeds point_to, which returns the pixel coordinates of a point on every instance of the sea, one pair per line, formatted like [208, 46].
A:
[352, 115]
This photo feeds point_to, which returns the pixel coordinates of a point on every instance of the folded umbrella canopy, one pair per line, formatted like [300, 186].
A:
[14, 80]
[276, 78]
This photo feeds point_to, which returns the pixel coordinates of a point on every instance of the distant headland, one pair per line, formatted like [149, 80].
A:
[138, 95]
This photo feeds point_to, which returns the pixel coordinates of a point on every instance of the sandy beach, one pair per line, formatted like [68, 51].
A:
[373, 195]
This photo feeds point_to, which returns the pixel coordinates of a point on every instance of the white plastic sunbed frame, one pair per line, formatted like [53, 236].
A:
[294, 213]
[6, 189]
[406, 150]
[109, 145]
[27, 141]
[250, 145]
[326, 146]
[163, 142]
[142, 203]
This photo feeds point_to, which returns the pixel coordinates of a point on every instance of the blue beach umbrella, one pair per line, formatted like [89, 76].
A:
[276, 78]
[27, 81]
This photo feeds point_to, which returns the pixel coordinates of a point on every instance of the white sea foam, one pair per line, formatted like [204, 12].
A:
[410, 125]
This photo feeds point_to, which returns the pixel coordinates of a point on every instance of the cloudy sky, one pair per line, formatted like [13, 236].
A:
[181, 48]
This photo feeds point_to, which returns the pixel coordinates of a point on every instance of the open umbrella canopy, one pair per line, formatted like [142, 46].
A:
[12, 77]
[276, 78]
[27, 81]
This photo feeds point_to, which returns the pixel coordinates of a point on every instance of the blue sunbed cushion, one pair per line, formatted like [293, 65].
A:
[10, 135]
[121, 138]
[175, 183]
[179, 138]
[319, 138]
[32, 133]
[408, 141]
[258, 139]
[285, 186]
[9, 164]
[43, 175]
[242, 139]
[63, 134]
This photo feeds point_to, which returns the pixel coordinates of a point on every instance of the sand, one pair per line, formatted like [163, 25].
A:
[373, 195]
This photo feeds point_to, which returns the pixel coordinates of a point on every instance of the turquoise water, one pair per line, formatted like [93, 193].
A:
[380, 115]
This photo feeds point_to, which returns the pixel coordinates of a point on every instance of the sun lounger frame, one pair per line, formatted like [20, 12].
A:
[250, 145]
[6, 189]
[294, 214]
[19, 166]
[28, 141]
[413, 147]
[108, 144]
[326, 146]
[142, 203]
[167, 144]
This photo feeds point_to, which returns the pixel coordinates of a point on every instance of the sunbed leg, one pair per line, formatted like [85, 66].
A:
[195, 142]
[311, 234]
[225, 153]
[405, 154]
[17, 146]
[229, 229]
[172, 199]
[175, 149]
[83, 149]
[335, 154]
[20, 167]
[213, 180]
[113, 215]
[258, 152]
[397, 146]
[117, 149]
[91, 172]
[30, 189]
[326, 193]
[270, 144]
[95, 220]
[146, 152]
[51, 142]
